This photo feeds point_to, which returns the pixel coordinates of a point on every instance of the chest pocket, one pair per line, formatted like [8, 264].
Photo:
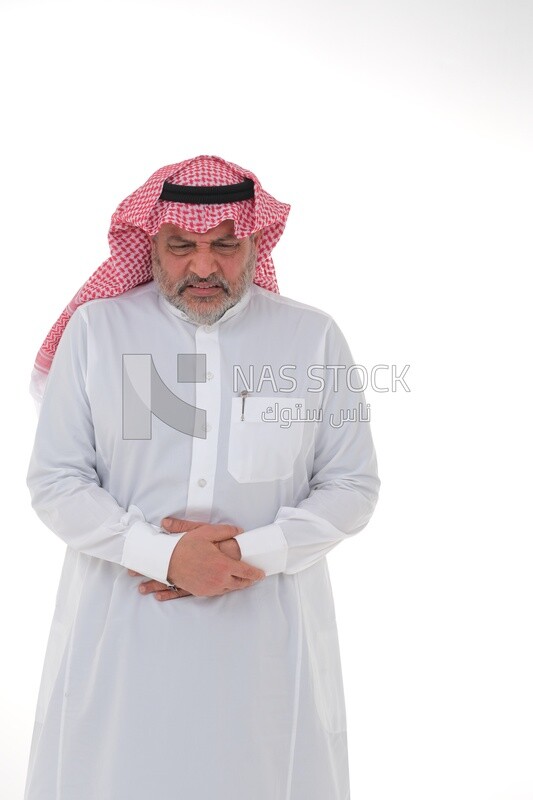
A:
[265, 445]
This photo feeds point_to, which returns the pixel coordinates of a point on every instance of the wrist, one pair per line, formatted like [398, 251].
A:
[174, 561]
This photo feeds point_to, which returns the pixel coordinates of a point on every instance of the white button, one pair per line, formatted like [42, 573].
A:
[202, 482]
[209, 376]
[208, 328]
[208, 427]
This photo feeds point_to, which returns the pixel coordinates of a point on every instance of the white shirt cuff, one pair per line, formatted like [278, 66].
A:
[265, 548]
[148, 549]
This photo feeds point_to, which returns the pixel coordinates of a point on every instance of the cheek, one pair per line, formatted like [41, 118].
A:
[234, 269]
[172, 269]
[231, 273]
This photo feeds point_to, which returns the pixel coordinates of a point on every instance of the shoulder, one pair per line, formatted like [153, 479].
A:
[302, 322]
[290, 309]
[132, 301]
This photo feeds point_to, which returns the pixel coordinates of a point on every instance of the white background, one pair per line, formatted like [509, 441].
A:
[401, 134]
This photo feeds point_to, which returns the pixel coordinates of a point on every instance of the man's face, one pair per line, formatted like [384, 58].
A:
[203, 274]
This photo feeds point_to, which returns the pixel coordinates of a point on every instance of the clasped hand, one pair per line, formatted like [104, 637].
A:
[205, 562]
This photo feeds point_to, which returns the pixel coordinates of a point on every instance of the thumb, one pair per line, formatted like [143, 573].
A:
[217, 533]
[175, 525]
[247, 571]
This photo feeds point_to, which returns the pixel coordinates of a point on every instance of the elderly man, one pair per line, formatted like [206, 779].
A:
[201, 446]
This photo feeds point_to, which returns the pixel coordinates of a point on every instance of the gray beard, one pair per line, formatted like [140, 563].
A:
[214, 309]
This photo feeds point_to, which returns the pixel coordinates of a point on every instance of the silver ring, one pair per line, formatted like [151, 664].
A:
[172, 586]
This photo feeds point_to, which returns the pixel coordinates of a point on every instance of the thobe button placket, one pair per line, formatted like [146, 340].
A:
[204, 453]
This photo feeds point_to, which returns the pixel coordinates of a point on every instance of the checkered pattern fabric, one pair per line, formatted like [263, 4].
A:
[141, 215]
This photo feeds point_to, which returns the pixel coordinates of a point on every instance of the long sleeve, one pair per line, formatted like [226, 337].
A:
[62, 478]
[344, 485]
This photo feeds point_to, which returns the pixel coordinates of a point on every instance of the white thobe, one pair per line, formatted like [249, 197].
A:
[236, 696]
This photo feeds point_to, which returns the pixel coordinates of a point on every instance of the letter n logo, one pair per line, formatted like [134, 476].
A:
[144, 393]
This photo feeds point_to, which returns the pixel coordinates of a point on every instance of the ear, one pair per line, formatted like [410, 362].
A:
[256, 237]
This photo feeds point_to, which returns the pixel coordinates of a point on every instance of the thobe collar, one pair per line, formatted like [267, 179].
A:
[236, 309]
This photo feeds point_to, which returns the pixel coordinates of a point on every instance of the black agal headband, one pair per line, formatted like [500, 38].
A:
[208, 195]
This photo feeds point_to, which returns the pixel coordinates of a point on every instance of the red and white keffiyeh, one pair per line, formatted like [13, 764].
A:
[141, 215]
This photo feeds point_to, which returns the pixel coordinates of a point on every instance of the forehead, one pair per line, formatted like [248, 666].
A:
[226, 227]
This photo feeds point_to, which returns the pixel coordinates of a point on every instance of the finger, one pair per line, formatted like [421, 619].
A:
[171, 594]
[217, 533]
[132, 572]
[148, 587]
[240, 569]
[175, 525]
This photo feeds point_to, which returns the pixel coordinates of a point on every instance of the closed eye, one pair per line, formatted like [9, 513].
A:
[187, 247]
[184, 247]
[226, 245]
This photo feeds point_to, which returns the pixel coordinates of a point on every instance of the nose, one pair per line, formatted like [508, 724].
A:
[203, 262]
